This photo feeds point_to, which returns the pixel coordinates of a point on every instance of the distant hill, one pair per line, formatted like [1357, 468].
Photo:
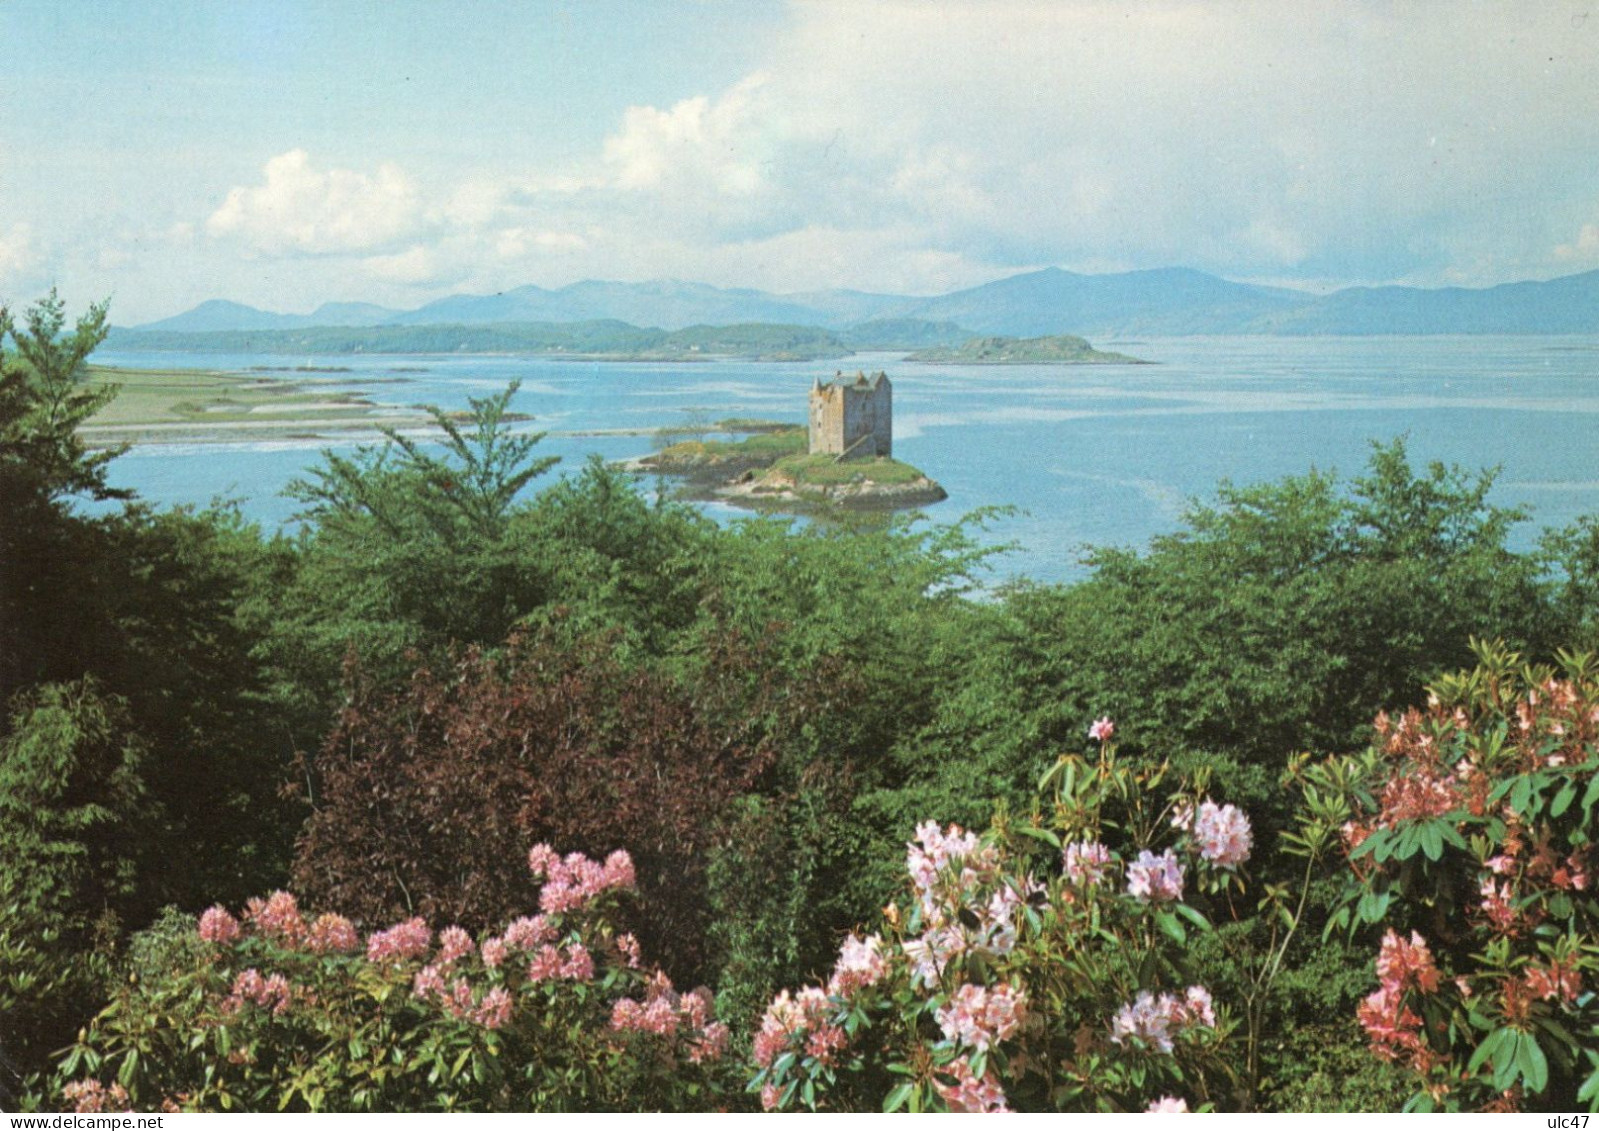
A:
[1165, 302]
[218, 315]
[1568, 305]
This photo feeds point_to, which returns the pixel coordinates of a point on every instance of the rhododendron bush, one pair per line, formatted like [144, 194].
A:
[1470, 833]
[1011, 980]
[277, 1009]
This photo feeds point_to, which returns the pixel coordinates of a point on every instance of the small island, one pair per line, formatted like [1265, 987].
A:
[1061, 349]
[842, 460]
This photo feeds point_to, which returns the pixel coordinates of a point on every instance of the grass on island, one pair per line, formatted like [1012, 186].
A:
[762, 445]
[828, 471]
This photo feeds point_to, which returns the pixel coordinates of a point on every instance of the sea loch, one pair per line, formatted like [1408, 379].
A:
[1090, 455]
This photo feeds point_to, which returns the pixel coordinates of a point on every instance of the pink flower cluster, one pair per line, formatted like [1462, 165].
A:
[332, 934]
[268, 993]
[665, 1013]
[217, 926]
[1156, 879]
[573, 881]
[978, 1017]
[407, 940]
[936, 853]
[89, 1097]
[567, 964]
[277, 917]
[1393, 1027]
[1222, 833]
[1086, 863]
[457, 999]
[861, 963]
[1157, 1020]
[961, 909]
[1167, 1105]
[1558, 981]
[970, 1093]
[454, 943]
[1102, 730]
[802, 1017]
[530, 931]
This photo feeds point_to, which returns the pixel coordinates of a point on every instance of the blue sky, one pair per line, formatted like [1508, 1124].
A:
[285, 154]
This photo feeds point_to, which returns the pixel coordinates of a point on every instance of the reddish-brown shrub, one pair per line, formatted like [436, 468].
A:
[424, 797]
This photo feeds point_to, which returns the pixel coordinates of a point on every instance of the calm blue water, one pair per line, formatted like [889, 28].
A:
[1092, 455]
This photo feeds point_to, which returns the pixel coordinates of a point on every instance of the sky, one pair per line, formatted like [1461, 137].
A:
[285, 154]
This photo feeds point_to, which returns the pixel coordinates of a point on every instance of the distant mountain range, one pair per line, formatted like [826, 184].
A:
[1166, 302]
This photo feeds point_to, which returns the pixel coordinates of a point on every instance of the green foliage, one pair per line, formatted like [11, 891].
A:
[43, 401]
[557, 1014]
[409, 550]
[1471, 829]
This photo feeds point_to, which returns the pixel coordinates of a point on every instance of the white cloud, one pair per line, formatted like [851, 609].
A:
[299, 209]
[915, 146]
[20, 257]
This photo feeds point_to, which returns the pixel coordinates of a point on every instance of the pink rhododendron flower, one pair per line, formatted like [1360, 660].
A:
[332, 934]
[454, 943]
[1155, 878]
[92, 1097]
[861, 963]
[269, 993]
[579, 964]
[711, 1044]
[1167, 1105]
[1222, 833]
[1102, 730]
[1156, 1020]
[546, 965]
[410, 939]
[631, 951]
[493, 952]
[978, 1017]
[573, 881]
[217, 926]
[495, 1008]
[428, 983]
[1086, 863]
[968, 1093]
[278, 918]
[526, 933]
[789, 1016]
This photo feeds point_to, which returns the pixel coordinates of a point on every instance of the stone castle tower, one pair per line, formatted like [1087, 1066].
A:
[853, 419]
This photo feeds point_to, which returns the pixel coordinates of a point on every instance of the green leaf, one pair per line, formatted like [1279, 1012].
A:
[1521, 794]
[1044, 835]
[1563, 799]
[1432, 840]
[1590, 796]
[898, 1097]
[1170, 927]
[1532, 1062]
[1507, 1066]
[1488, 1049]
[1373, 906]
[1192, 915]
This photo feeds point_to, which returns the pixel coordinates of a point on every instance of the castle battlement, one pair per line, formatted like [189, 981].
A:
[853, 418]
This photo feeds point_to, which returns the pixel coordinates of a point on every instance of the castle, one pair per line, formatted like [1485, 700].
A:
[853, 419]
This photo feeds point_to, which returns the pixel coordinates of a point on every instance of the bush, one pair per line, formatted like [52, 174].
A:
[1003, 985]
[1470, 831]
[283, 1011]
